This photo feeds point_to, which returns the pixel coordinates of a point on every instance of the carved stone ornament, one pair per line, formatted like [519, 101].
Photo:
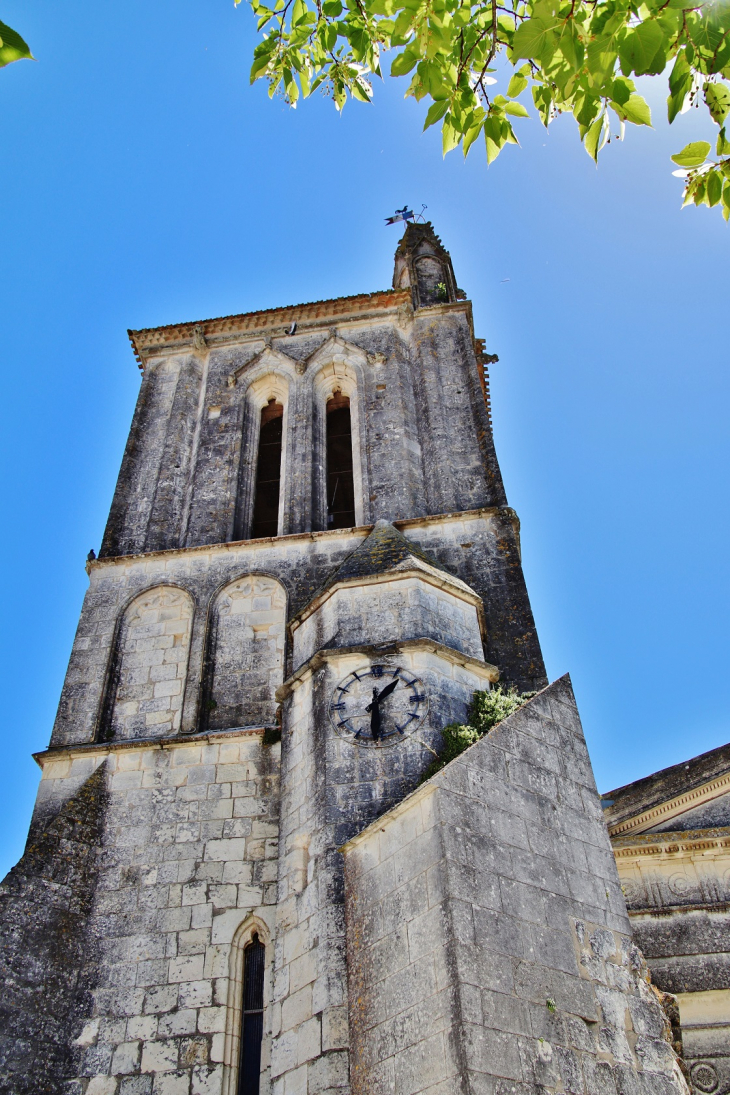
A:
[200, 346]
[301, 367]
[704, 1076]
[377, 359]
[378, 705]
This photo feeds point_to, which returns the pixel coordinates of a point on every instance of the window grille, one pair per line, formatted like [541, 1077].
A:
[252, 1018]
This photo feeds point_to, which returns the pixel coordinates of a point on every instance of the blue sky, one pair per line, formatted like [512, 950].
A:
[144, 182]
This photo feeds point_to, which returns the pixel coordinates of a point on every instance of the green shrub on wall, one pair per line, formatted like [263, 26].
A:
[486, 711]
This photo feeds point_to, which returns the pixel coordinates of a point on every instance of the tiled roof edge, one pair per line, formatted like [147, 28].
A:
[244, 321]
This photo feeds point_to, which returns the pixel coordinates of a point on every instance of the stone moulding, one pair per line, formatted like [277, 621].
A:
[691, 840]
[437, 578]
[673, 807]
[181, 741]
[490, 672]
[484, 512]
[178, 336]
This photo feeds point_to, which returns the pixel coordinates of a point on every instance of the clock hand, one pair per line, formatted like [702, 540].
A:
[388, 689]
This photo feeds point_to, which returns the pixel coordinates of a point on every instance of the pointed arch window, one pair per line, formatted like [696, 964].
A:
[252, 1018]
[268, 472]
[340, 481]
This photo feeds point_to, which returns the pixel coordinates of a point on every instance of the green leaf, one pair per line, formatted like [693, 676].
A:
[517, 110]
[436, 112]
[450, 136]
[12, 47]
[470, 136]
[543, 99]
[534, 38]
[726, 201]
[717, 98]
[714, 188]
[493, 136]
[593, 137]
[680, 83]
[622, 89]
[641, 50]
[635, 110]
[360, 90]
[332, 8]
[723, 144]
[517, 85]
[403, 63]
[693, 154]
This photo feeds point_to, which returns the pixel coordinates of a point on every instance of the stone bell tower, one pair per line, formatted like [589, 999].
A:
[237, 880]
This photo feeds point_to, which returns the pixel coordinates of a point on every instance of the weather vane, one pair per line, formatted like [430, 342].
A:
[405, 214]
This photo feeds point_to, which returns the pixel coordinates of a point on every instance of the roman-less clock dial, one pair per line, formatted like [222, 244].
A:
[378, 705]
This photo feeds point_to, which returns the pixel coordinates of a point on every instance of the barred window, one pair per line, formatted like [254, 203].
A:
[252, 1018]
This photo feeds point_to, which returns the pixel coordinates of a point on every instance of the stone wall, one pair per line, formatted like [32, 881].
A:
[188, 845]
[489, 948]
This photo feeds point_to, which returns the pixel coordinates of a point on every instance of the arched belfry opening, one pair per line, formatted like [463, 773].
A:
[340, 480]
[268, 471]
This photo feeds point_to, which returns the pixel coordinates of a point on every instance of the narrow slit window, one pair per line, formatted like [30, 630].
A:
[340, 484]
[268, 472]
[252, 1018]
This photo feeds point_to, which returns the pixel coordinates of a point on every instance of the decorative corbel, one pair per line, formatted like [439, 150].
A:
[200, 346]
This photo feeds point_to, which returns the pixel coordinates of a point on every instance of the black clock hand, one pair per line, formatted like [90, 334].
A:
[388, 689]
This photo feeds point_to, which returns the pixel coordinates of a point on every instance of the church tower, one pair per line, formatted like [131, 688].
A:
[238, 880]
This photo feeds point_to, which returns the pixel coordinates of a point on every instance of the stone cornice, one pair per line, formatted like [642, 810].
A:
[671, 844]
[673, 807]
[266, 323]
[484, 512]
[379, 650]
[181, 741]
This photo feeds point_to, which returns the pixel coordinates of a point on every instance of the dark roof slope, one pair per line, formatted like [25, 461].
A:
[644, 794]
[384, 549]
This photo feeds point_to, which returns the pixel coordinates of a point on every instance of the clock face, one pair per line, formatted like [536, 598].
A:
[378, 705]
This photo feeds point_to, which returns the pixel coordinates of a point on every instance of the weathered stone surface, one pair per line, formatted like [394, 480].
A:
[486, 954]
[44, 905]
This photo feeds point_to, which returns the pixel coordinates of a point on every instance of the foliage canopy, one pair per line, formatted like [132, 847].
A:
[571, 56]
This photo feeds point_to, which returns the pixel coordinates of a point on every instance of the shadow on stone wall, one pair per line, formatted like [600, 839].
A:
[44, 903]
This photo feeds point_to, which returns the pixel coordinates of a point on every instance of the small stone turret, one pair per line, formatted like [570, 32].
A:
[424, 265]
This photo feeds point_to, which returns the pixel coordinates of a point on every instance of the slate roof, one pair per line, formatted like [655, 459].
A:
[384, 549]
[644, 794]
